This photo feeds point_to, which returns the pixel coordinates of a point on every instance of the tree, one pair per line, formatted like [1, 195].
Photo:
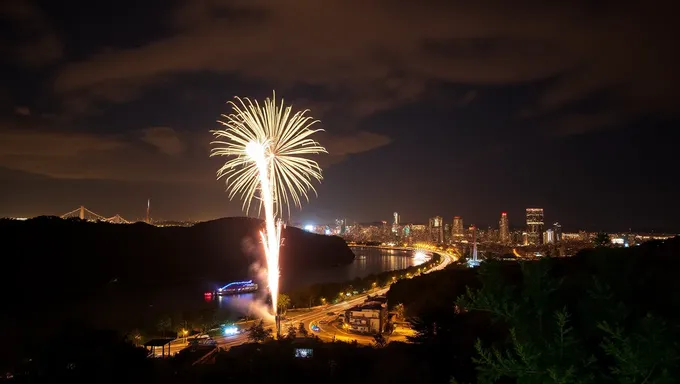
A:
[602, 239]
[291, 333]
[207, 318]
[379, 340]
[399, 310]
[258, 334]
[163, 325]
[597, 341]
[302, 330]
[135, 337]
[283, 303]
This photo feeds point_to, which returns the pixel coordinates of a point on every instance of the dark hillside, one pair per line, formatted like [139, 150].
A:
[48, 254]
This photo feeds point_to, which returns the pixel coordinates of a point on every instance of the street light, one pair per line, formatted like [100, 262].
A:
[185, 332]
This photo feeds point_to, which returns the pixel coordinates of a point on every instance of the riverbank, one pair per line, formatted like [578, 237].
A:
[302, 300]
[334, 292]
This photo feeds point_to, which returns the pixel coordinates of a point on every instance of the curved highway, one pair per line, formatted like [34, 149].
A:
[321, 316]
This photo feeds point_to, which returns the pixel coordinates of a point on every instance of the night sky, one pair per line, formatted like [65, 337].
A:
[430, 107]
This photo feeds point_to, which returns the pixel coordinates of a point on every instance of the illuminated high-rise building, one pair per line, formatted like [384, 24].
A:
[557, 228]
[504, 229]
[534, 226]
[458, 231]
[436, 228]
[549, 236]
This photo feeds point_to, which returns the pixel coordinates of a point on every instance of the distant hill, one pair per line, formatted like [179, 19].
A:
[48, 254]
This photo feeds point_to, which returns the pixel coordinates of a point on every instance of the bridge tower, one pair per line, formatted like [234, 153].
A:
[82, 212]
[148, 211]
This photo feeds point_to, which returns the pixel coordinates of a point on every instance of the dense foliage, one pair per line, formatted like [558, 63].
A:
[588, 333]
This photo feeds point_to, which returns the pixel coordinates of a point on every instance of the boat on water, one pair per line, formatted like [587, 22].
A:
[237, 287]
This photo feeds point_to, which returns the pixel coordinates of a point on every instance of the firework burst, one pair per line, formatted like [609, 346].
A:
[267, 145]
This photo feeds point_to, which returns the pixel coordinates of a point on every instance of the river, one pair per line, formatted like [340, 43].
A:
[128, 311]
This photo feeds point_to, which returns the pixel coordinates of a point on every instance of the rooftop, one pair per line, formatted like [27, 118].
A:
[367, 306]
[157, 342]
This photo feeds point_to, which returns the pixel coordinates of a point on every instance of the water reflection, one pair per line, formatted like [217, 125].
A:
[226, 302]
[368, 261]
[131, 310]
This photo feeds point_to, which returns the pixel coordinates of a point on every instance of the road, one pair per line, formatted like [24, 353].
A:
[317, 315]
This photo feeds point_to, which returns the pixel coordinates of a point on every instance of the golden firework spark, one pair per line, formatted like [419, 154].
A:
[286, 141]
[268, 146]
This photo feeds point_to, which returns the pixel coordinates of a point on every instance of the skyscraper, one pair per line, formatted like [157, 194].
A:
[557, 228]
[436, 228]
[504, 229]
[458, 232]
[549, 236]
[534, 226]
[447, 233]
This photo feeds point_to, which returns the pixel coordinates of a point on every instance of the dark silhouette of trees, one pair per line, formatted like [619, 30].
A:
[140, 255]
[379, 340]
[164, 325]
[291, 333]
[78, 352]
[399, 311]
[558, 337]
[302, 330]
[258, 333]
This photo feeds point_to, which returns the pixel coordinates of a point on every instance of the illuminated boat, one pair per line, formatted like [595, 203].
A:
[237, 287]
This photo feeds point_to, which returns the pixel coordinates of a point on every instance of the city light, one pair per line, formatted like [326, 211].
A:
[420, 256]
[229, 331]
[267, 145]
[309, 228]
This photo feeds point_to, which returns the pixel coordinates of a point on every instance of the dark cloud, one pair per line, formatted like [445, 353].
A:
[383, 55]
[23, 111]
[157, 154]
[33, 42]
[165, 139]
[463, 83]
[341, 146]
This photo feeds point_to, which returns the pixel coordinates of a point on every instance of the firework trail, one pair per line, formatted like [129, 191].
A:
[267, 146]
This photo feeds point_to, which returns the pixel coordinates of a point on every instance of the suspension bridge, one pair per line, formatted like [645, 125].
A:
[85, 214]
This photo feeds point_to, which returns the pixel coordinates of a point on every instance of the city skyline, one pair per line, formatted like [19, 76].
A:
[463, 113]
[456, 228]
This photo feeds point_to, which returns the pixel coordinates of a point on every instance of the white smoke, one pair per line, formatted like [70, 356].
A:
[249, 247]
[254, 308]
[260, 273]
